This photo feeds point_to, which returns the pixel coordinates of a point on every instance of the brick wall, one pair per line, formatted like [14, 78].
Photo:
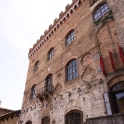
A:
[117, 7]
[85, 92]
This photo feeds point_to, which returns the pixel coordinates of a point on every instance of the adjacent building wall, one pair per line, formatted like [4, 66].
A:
[10, 118]
[4, 111]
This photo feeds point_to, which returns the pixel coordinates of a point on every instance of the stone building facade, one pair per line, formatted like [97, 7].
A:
[76, 68]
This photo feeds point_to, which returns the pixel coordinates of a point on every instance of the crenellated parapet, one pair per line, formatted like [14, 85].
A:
[63, 16]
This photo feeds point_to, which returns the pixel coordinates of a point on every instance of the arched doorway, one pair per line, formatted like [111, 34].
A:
[28, 122]
[46, 120]
[74, 117]
[117, 94]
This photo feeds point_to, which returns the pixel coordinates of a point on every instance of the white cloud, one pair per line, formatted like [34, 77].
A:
[22, 23]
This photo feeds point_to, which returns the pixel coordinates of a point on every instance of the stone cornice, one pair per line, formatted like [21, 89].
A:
[63, 16]
[10, 115]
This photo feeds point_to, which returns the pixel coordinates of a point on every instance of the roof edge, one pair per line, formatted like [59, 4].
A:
[63, 16]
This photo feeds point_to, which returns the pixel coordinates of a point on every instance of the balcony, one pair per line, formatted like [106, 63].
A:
[45, 93]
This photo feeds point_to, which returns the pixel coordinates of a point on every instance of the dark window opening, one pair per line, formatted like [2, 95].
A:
[48, 83]
[51, 53]
[74, 117]
[46, 120]
[36, 65]
[33, 91]
[117, 96]
[120, 101]
[28, 122]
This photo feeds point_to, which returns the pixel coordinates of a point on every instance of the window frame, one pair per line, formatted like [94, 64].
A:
[70, 37]
[50, 54]
[100, 11]
[33, 92]
[114, 91]
[48, 83]
[36, 65]
[72, 117]
[71, 70]
[117, 87]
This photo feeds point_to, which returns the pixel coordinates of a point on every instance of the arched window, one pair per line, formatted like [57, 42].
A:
[36, 65]
[117, 87]
[33, 91]
[50, 53]
[101, 11]
[71, 69]
[48, 83]
[74, 117]
[117, 95]
[70, 37]
[46, 120]
[28, 122]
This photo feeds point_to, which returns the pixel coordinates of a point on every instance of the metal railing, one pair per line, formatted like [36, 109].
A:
[45, 90]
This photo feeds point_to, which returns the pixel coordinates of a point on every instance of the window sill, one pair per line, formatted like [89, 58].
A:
[71, 81]
[104, 19]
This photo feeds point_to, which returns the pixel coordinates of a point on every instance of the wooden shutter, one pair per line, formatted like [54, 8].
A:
[107, 103]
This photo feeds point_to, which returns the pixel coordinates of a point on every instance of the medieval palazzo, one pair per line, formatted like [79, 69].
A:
[76, 69]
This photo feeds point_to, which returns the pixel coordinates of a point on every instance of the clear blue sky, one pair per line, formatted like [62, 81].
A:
[22, 22]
